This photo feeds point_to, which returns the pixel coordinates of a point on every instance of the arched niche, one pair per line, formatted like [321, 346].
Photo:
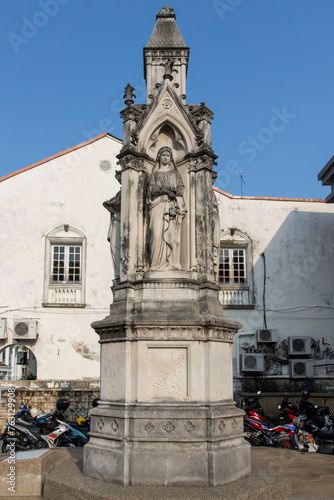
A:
[181, 132]
[167, 135]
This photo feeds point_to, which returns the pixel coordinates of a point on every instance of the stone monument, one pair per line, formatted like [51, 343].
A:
[166, 415]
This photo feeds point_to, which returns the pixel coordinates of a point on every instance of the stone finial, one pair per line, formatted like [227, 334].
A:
[168, 70]
[128, 94]
[166, 12]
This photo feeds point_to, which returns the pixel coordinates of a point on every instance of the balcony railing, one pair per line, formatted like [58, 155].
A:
[65, 295]
[234, 297]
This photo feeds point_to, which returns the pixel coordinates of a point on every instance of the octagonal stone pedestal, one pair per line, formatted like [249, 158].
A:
[167, 445]
[166, 415]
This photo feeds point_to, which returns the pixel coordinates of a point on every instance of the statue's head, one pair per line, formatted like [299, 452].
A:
[165, 156]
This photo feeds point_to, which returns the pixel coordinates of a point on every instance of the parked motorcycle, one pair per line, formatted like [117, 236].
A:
[312, 435]
[30, 437]
[288, 411]
[320, 414]
[260, 431]
[48, 430]
[253, 409]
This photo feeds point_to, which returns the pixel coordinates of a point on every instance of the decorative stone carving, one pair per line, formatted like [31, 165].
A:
[166, 104]
[100, 424]
[165, 53]
[203, 113]
[234, 423]
[132, 162]
[199, 139]
[168, 427]
[166, 12]
[189, 427]
[114, 425]
[114, 207]
[132, 114]
[134, 139]
[166, 210]
[169, 70]
[149, 427]
[205, 162]
[114, 334]
[222, 426]
[128, 94]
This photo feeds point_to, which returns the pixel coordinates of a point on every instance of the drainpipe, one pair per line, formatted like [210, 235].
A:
[237, 344]
[264, 289]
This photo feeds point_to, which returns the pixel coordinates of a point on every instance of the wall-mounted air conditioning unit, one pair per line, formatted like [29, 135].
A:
[299, 346]
[301, 368]
[3, 329]
[267, 336]
[25, 329]
[252, 362]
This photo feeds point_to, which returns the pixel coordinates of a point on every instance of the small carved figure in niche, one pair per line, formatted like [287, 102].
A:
[166, 211]
[129, 95]
[114, 237]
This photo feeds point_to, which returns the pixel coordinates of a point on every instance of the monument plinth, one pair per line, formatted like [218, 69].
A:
[166, 414]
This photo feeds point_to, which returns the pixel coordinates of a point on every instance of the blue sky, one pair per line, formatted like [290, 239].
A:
[265, 68]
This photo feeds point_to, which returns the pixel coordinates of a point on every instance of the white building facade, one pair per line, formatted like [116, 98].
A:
[56, 266]
[276, 272]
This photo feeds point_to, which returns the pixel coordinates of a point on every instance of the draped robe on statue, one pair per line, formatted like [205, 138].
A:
[165, 215]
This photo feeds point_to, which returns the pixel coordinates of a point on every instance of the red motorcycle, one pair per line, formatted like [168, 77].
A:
[259, 430]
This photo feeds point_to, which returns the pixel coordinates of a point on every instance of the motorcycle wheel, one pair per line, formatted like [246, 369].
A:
[281, 445]
[5, 448]
[63, 442]
[253, 441]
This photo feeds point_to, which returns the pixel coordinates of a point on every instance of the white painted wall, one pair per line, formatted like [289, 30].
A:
[297, 238]
[70, 190]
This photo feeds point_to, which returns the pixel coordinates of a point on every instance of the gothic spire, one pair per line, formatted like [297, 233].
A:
[166, 56]
[165, 32]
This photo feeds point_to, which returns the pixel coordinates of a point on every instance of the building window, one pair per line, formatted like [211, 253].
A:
[235, 276]
[232, 266]
[66, 263]
[65, 268]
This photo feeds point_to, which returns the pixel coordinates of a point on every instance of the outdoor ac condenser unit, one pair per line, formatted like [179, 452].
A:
[3, 329]
[25, 329]
[299, 346]
[252, 362]
[301, 368]
[267, 336]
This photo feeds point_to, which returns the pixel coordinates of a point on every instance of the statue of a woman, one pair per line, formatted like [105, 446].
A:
[114, 233]
[166, 211]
